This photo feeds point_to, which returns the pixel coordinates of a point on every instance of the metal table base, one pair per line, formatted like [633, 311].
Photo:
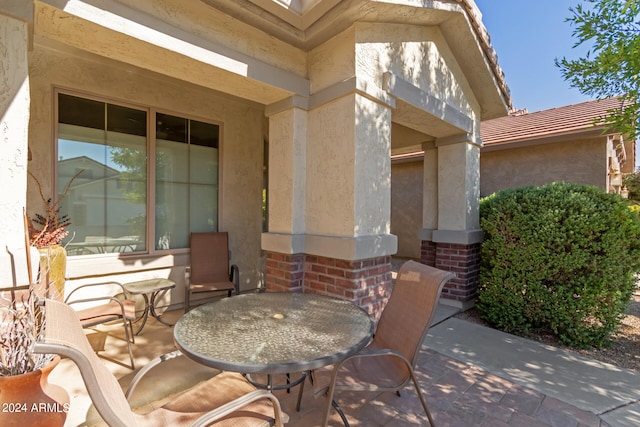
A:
[145, 288]
[288, 386]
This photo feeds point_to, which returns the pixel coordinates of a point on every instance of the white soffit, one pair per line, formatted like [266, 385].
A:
[299, 13]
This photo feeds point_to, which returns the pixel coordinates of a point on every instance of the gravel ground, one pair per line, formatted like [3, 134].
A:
[624, 352]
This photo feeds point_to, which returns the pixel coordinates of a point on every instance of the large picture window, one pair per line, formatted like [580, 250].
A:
[103, 150]
[186, 179]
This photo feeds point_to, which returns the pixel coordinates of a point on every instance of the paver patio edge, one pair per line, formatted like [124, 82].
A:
[585, 383]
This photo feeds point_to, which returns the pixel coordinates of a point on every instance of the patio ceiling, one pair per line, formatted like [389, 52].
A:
[135, 38]
[304, 24]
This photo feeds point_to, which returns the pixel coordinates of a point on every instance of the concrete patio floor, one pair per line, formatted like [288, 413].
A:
[460, 391]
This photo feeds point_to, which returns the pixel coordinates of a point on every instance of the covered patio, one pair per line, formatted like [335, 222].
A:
[302, 104]
[459, 393]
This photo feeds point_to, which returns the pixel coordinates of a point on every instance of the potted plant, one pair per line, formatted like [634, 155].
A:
[46, 232]
[26, 396]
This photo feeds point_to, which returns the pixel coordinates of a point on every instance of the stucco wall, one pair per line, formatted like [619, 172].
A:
[241, 151]
[333, 61]
[331, 147]
[406, 207]
[14, 117]
[579, 161]
[417, 54]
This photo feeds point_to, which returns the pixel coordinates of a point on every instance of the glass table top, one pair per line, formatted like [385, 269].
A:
[273, 332]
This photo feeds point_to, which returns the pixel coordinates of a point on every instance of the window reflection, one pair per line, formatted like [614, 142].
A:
[107, 202]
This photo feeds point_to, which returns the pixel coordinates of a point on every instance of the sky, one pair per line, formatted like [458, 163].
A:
[528, 35]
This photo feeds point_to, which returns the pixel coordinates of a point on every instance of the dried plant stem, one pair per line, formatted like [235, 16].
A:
[53, 226]
[22, 324]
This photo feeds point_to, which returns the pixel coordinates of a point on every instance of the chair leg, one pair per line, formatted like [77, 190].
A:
[340, 412]
[306, 374]
[129, 325]
[129, 338]
[331, 403]
[422, 400]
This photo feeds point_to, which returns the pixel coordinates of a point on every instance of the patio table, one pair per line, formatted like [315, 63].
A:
[145, 288]
[273, 333]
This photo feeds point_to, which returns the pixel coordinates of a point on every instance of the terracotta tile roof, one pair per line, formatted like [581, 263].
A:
[555, 121]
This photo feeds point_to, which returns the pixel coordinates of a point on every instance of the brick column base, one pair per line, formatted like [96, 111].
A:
[428, 253]
[284, 273]
[464, 260]
[367, 283]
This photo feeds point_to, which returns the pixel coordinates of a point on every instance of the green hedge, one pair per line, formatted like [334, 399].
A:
[558, 258]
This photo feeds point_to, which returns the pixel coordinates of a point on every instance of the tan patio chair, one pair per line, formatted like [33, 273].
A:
[104, 309]
[387, 363]
[226, 400]
[210, 270]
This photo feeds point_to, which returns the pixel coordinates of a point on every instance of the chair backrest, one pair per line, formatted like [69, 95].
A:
[64, 336]
[407, 316]
[209, 257]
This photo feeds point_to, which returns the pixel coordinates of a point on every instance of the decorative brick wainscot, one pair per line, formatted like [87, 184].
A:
[367, 283]
[464, 260]
[284, 273]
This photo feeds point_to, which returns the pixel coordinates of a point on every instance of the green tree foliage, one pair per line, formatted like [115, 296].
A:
[611, 67]
[560, 259]
[632, 182]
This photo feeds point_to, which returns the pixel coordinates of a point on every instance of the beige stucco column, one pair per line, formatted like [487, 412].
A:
[458, 186]
[329, 187]
[451, 234]
[287, 180]
[284, 243]
[349, 179]
[14, 126]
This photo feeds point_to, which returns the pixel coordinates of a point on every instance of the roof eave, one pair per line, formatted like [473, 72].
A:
[460, 22]
[545, 139]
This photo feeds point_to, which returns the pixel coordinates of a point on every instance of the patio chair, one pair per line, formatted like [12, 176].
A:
[104, 309]
[226, 400]
[210, 270]
[387, 363]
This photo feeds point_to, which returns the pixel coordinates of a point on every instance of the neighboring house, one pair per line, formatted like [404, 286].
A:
[560, 144]
[179, 98]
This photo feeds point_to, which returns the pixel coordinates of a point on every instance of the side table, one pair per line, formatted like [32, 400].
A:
[145, 288]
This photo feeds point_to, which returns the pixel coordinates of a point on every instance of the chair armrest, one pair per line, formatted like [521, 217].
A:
[96, 299]
[88, 375]
[114, 299]
[237, 404]
[371, 352]
[124, 293]
[328, 386]
[142, 372]
[234, 276]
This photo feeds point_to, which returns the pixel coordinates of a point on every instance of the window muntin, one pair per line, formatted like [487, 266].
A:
[186, 179]
[108, 201]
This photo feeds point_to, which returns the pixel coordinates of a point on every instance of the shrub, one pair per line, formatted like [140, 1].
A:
[559, 258]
